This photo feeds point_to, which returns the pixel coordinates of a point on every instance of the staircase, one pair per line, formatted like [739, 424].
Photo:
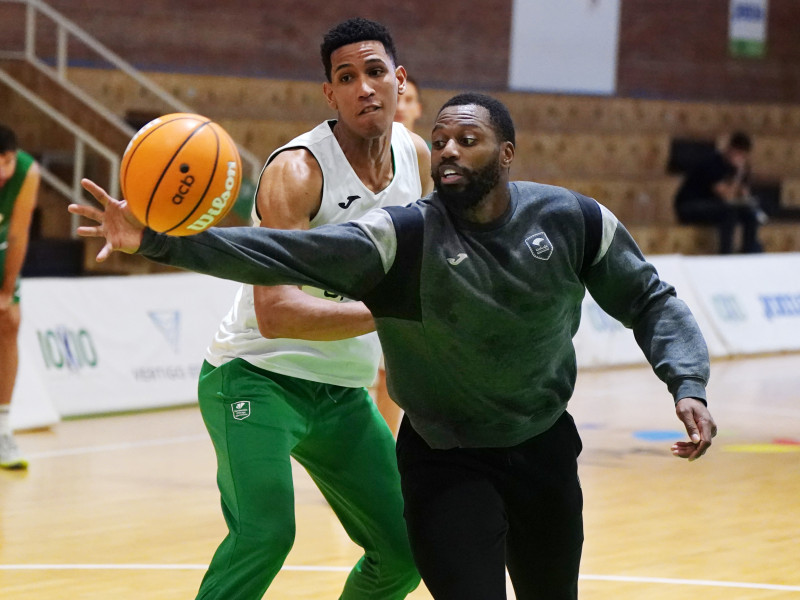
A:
[73, 134]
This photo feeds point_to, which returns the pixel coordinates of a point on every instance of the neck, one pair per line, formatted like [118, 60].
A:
[370, 157]
[490, 208]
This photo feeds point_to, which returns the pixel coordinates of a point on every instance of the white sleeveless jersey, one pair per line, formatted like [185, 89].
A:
[351, 362]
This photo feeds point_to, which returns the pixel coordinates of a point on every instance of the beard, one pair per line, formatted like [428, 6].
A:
[468, 195]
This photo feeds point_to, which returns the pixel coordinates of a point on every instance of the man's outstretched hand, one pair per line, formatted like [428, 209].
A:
[699, 425]
[115, 222]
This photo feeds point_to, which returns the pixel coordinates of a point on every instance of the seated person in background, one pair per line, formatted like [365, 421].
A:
[716, 192]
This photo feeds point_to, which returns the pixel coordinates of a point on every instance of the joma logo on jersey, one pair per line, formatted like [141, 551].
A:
[350, 200]
[539, 245]
[241, 410]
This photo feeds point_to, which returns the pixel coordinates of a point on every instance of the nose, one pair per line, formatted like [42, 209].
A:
[450, 149]
[366, 87]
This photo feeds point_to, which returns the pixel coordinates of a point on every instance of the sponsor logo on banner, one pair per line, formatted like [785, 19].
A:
[168, 323]
[780, 306]
[65, 348]
[162, 373]
[241, 410]
[728, 308]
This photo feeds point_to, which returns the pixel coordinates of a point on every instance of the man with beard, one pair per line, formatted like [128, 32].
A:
[476, 292]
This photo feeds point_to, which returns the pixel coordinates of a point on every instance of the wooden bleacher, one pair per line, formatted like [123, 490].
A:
[613, 149]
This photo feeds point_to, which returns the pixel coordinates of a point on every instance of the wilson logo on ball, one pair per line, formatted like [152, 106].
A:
[221, 204]
[181, 174]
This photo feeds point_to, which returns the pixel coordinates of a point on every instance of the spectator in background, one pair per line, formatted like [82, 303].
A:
[19, 185]
[409, 105]
[717, 192]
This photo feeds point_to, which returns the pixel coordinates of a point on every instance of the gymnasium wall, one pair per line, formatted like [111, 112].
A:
[679, 49]
[667, 48]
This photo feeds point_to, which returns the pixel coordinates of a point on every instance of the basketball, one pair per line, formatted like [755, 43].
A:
[180, 174]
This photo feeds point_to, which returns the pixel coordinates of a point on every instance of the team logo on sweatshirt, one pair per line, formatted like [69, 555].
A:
[540, 246]
[241, 410]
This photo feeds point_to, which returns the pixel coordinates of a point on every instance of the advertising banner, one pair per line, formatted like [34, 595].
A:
[110, 344]
[752, 301]
[603, 341]
[748, 28]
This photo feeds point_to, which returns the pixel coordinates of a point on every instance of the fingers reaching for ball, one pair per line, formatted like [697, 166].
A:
[115, 222]
[95, 190]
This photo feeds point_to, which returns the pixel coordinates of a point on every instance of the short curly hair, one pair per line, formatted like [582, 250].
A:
[351, 31]
[499, 117]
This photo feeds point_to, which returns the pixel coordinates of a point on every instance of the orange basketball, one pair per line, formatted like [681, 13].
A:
[181, 174]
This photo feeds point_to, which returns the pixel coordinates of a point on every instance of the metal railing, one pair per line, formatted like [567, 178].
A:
[82, 141]
[66, 28]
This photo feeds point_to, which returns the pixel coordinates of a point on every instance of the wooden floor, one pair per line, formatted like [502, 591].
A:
[126, 507]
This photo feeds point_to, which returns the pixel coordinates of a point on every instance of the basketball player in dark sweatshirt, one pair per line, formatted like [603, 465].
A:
[476, 292]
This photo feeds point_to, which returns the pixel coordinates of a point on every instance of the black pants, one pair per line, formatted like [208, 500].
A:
[471, 513]
[726, 217]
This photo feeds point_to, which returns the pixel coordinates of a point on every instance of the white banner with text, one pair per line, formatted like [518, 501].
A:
[109, 344]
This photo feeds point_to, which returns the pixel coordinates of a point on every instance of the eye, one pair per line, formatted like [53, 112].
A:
[468, 141]
[438, 144]
[345, 78]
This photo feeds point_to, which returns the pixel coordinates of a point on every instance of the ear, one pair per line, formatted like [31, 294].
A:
[507, 154]
[327, 89]
[402, 77]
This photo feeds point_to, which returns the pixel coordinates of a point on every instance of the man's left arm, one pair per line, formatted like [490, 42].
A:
[629, 289]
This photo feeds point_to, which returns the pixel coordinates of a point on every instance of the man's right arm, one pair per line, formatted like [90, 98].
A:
[731, 182]
[341, 258]
[728, 190]
[289, 196]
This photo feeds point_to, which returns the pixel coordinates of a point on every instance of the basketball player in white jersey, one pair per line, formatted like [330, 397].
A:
[287, 371]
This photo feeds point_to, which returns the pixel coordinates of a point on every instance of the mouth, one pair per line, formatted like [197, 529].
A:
[450, 174]
[370, 109]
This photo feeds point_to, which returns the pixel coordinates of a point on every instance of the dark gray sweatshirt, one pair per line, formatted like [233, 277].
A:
[476, 321]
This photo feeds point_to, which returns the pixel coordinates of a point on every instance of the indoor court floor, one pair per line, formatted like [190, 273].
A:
[125, 507]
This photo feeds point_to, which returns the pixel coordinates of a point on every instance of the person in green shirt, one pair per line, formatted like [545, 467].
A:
[19, 185]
